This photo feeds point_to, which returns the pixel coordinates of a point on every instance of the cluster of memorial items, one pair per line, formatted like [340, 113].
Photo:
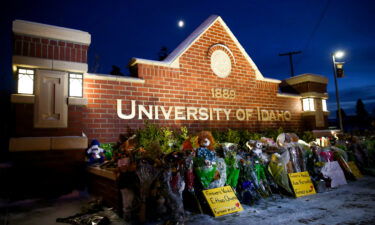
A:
[162, 172]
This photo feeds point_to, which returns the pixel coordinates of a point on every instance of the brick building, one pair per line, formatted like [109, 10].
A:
[208, 82]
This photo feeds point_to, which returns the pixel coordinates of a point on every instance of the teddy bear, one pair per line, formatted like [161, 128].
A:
[95, 153]
[206, 167]
[206, 148]
[257, 148]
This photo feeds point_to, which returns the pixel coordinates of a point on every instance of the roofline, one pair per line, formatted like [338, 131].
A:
[134, 61]
[306, 77]
[173, 58]
[192, 38]
[49, 31]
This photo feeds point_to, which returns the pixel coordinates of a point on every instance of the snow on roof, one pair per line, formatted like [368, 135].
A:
[50, 31]
[173, 58]
[192, 38]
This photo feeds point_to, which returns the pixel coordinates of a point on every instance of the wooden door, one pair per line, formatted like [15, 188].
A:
[51, 92]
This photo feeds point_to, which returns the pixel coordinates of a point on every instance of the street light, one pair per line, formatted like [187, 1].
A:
[338, 54]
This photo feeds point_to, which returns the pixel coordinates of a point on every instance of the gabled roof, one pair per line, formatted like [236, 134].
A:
[173, 59]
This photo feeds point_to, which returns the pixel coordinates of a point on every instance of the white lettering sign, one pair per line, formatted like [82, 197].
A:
[198, 113]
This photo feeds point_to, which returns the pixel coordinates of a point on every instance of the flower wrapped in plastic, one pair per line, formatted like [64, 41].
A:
[220, 176]
[205, 174]
[342, 158]
[247, 189]
[327, 155]
[277, 168]
[270, 145]
[289, 142]
[303, 150]
[231, 160]
[262, 181]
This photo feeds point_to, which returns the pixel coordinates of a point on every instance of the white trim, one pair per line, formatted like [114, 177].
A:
[308, 113]
[69, 66]
[314, 95]
[312, 113]
[154, 63]
[258, 74]
[173, 59]
[191, 39]
[49, 31]
[29, 144]
[225, 47]
[113, 78]
[77, 101]
[69, 142]
[307, 77]
[47, 143]
[271, 80]
[33, 62]
[285, 95]
[22, 98]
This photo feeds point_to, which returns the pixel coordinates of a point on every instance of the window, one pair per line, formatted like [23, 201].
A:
[75, 85]
[308, 104]
[25, 83]
[324, 105]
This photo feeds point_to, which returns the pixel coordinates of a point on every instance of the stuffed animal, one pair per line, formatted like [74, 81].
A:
[95, 153]
[206, 148]
[257, 148]
[205, 165]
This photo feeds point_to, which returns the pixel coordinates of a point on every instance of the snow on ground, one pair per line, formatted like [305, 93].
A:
[353, 203]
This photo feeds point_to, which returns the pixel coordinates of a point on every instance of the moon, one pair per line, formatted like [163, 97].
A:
[181, 23]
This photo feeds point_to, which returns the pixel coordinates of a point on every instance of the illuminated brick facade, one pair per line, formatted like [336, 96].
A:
[208, 82]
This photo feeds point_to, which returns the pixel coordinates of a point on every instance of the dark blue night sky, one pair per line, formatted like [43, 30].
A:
[139, 28]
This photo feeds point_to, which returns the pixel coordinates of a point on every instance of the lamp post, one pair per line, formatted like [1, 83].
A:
[338, 54]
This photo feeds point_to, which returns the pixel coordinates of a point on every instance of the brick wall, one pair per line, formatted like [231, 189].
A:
[24, 123]
[49, 49]
[188, 86]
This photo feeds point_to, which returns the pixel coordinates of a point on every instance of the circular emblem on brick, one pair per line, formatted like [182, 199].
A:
[221, 63]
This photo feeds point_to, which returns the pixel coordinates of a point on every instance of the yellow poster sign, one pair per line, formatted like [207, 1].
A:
[222, 201]
[302, 184]
[353, 167]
